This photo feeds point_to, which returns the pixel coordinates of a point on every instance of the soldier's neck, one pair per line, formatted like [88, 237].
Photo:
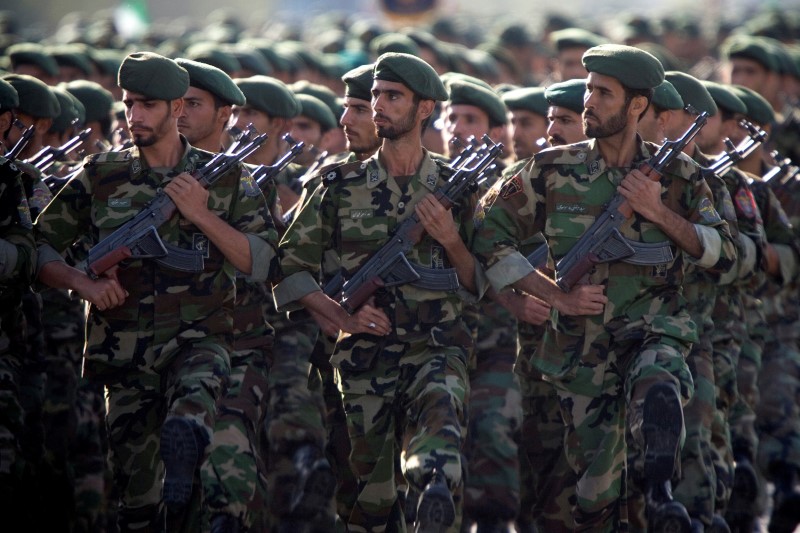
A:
[165, 153]
[618, 150]
[401, 157]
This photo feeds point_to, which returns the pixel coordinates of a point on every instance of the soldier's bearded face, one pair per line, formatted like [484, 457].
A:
[599, 128]
[148, 120]
[359, 130]
[395, 128]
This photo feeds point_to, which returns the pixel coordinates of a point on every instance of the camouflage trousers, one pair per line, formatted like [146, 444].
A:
[696, 487]
[295, 413]
[744, 439]
[189, 388]
[233, 471]
[725, 358]
[417, 426]
[595, 441]
[494, 414]
[778, 411]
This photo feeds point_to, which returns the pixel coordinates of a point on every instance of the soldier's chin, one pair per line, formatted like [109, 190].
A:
[143, 142]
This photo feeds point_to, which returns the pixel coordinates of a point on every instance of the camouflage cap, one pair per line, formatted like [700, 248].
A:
[393, 42]
[32, 54]
[758, 109]
[9, 99]
[358, 82]
[315, 109]
[750, 47]
[634, 68]
[412, 72]
[35, 97]
[466, 93]
[211, 79]
[725, 97]
[575, 38]
[269, 95]
[68, 111]
[153, 76]
[692, 91]
[95, 99]
[567, 94]
[214, 54]
[666, 96]
[528, 98]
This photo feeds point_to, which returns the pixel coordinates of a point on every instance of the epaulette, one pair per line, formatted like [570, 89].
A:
[570, 154]
[345, 171]
[107, 157]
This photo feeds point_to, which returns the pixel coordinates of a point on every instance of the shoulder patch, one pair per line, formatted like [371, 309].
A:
[251, 188]
[511, 187]
[707, 211]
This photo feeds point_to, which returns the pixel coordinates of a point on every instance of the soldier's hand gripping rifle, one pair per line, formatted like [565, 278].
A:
[603, 242]
[389, 266]
[139, 239]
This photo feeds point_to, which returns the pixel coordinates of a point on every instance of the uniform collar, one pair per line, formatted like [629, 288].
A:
[427, 174]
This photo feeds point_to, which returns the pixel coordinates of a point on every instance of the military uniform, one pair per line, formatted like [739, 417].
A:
[403, 394]
[163, 352]
[601, 365]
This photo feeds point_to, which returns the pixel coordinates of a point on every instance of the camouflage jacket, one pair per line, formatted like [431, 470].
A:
[165, 308]
[352, 213]
[560, 193]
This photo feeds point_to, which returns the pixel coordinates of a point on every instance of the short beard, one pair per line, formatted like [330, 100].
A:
[406, 124]
[364, 148]
[157, 133]
[612, 126]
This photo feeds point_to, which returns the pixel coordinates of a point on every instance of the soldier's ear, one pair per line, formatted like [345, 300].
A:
[176, 107]
[426, 108]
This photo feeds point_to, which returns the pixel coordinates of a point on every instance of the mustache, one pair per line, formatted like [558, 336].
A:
[380, 116]
[555, 139]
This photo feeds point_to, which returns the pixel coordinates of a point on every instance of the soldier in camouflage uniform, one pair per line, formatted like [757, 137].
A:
[628, 352]
[401, 358]
[491, 490]
[158, 339]
[18, 262]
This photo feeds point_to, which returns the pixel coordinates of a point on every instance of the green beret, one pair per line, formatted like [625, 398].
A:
[315, 109]
[210, 78]
[32, 54]
[328, 97]
[666, 96]
[35, 97]
[251, 59]
[668, 60]
[758, 109]
[269, 95]
[358, 82]
[393, 42]
[503, 88]
[786, 64]
[213, 54]
[67, 56]
[567, 94]
[750, 48]
[466, 93]
[80, 109]
[515, 35]
[450, 77]
[153, 76]
[9, 99]
[264, 47]
[68, 111]
[634, 68]
[692, 91]
[412, 72]
[725, 97]
[575, 38]
[108, 61]
[95, 99]
[528, 98]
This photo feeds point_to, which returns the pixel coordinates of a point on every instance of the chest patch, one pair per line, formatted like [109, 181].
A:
[573, 209]
[119, 202]
[360, 213]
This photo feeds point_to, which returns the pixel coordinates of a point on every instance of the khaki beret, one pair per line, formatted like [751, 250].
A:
[758, 109]
[358, 82]
[666, 96]
[315, 109]
[528, 98]
[567, 94]
[751, 48]
[95, 99]
[9, 99]
[32, 54]
[269, 95]
[575, 38]
[153, 76]
[634, 68]
[692, 92]
[210, 78]
[35, 97]
[68, 111]
[466, 93]
[412, 72]
[725, 97]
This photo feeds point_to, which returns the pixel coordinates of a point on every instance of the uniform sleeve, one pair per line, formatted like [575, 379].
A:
[719, 247]
[516, 214]
[780, 233]
[17, 248]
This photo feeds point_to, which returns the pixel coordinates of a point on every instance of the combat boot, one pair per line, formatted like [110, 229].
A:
[315, 483]
[662, 423]
[182, 446]
[741, 511]
[785, 500]
[436, 511]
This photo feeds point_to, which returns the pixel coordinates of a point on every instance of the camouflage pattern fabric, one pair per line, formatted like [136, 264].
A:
[602, 366]
[352, 212]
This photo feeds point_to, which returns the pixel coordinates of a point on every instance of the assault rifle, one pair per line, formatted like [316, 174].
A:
[780, 174]
[734, 154]
[264, 173]
[138, 238]
[389, 266]
[48, 156]
[603, 242]
[25, 138]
